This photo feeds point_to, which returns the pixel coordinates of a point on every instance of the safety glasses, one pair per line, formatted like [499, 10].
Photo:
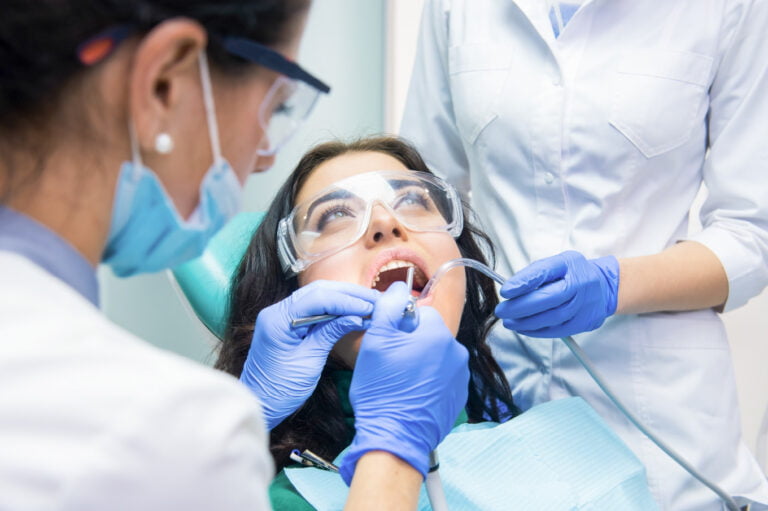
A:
[287, 104]
[339, 215]
[291, 98]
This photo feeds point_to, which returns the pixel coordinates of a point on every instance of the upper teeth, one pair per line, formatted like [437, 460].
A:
[392, 265]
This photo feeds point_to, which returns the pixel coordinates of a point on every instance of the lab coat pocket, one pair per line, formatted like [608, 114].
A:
[683, 360]
[477, 75]
[660, 96]
[689, 330]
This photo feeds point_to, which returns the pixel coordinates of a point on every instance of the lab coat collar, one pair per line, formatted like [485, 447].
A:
[537, 12]
[23, 235]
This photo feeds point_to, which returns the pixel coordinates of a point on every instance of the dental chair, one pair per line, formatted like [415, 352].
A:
[203, 283]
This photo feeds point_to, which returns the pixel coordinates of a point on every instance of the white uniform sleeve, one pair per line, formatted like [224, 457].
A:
[428, 120]
[735, 213]
[203, 447]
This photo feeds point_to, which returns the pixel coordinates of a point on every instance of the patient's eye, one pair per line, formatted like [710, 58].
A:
[414, 199]
[333, 217]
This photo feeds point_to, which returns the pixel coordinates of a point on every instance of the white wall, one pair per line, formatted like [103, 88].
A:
[344, 46]
[747, 327]
[403, 17]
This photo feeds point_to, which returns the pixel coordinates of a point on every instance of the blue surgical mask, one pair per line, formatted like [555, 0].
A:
[147, 233]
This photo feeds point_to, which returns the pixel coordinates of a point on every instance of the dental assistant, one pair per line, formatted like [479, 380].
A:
[583, 131]
[126, 131]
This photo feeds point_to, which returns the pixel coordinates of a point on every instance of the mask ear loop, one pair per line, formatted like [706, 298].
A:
[135, 152]
[210, 115]
[210, 108]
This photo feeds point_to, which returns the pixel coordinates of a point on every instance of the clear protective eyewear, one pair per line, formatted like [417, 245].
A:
[339, 215]
[288, 103]
[283, 110]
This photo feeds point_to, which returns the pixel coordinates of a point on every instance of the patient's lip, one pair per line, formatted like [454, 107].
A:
[397, 254]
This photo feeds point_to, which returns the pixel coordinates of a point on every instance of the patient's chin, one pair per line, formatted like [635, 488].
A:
[449, 302]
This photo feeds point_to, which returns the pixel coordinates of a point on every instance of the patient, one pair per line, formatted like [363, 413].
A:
[381, 256]
[364, 212]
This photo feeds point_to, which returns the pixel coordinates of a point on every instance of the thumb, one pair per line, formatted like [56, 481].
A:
[534, 276]
[389, 307]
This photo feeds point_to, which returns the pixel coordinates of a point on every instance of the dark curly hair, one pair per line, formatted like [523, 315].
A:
[259, 282]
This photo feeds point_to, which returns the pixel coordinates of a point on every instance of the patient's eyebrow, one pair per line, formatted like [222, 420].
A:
[394, 184]
[336, 194]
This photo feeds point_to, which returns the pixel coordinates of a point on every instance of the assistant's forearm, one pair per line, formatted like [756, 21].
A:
[686, 276]
[383, 481]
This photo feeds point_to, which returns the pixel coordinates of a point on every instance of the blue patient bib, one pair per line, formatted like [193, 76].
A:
[556, 456]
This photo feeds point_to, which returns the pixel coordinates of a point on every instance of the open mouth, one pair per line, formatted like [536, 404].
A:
[397, 270]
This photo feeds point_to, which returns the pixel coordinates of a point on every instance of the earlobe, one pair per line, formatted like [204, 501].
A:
[164, 69]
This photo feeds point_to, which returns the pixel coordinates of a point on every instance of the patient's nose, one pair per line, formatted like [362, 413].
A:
[384, 226]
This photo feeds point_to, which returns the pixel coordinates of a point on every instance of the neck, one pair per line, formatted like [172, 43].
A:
[68, 192]
[63, 173]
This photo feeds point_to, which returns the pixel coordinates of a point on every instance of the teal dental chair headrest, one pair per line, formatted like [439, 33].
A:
[205, 281]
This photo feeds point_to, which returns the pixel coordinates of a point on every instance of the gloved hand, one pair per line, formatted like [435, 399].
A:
[284, 363]
[407, 388]
[560, 295]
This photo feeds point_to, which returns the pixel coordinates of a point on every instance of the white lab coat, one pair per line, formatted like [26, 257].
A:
[92, 418]
[597, 141]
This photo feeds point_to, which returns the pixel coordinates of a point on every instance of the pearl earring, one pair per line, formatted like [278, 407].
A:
[163, 143]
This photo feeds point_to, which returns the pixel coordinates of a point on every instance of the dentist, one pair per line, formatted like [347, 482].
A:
[126, 131]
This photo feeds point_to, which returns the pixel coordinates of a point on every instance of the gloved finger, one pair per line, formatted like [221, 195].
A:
[534, 275]
[435, 337]
[575, 326]
[431, 318]
[545, 319]
[545, 298]
[272, 324]
[389, 308]
[324, 300]
[325, 335]
[409, 323]
[348, 288]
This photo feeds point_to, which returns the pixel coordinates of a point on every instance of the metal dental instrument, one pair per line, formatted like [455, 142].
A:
[310, 459]
[587, 364]
[409, 312]
[311, 320]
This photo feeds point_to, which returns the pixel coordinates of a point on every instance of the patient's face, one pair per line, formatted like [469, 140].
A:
[384, 252]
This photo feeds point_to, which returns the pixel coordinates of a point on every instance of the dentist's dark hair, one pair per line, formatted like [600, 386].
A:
[40, 70]
[319, 425]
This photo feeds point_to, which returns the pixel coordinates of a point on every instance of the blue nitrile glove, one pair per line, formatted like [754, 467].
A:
[560, 295]
[407, 388]
[284, 363]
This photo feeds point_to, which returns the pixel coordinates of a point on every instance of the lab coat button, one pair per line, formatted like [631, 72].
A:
[549, 178]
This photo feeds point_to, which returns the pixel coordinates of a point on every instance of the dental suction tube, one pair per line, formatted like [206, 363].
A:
[590, 368]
